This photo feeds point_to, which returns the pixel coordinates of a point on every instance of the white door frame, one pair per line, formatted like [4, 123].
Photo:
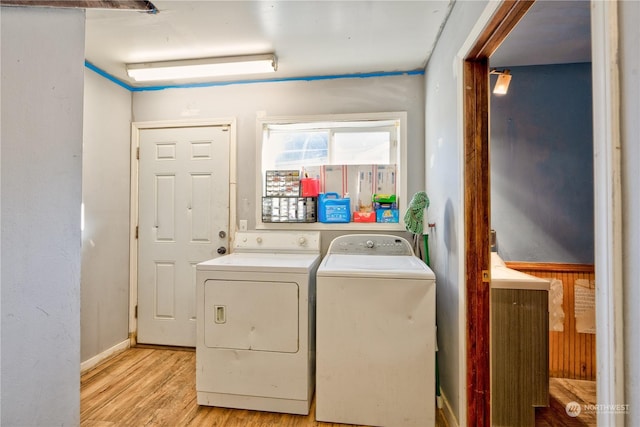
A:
[136, 127]
[608, 211]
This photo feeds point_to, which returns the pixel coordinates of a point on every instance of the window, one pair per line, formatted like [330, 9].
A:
[312, 142]
[363, 147]
[286, 149]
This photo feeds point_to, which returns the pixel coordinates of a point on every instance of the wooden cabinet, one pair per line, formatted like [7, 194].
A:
[519, 355]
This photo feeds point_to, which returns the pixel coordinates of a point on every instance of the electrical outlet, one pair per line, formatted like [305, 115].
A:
[243, 225]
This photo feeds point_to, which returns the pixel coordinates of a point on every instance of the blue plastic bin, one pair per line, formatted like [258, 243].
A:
[333, 209]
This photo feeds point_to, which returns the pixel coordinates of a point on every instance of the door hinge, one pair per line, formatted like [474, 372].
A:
[135, 312]
[138, 153]
[137, 231]
[486, 277]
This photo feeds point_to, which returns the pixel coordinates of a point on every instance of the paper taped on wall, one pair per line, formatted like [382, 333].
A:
[585, 306]
[556, 313]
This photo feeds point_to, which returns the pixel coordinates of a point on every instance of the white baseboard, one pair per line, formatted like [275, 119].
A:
[90, 363]
[448, 412]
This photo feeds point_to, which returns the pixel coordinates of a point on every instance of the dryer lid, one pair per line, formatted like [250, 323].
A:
[262, 262]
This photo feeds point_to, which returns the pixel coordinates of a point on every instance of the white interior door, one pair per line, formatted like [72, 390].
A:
[183, 219]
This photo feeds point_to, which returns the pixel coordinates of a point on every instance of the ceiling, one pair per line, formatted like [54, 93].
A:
[319, 38]
[552, 32]
[309, 38]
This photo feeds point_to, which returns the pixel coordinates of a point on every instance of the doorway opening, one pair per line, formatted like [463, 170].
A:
[477, 207]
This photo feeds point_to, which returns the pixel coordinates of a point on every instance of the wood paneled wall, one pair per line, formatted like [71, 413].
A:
[571, 354]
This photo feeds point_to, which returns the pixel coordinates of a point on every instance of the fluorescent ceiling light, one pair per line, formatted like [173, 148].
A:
[502, 84]
[206, 67]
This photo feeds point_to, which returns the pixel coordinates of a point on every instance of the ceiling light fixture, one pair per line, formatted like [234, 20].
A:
[502, 84]
[205, 67]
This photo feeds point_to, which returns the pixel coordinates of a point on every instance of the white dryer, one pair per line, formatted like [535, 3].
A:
[375, 334]
[255, 323]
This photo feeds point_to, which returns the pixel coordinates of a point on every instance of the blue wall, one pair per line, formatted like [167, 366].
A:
[542, 165]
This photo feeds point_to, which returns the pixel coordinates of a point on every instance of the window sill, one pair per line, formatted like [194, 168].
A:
[320, 226]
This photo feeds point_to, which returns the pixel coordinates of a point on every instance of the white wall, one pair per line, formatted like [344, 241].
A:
[444, 183]
[246, 101]
[629, 15]
[42, 86]
[105, 193]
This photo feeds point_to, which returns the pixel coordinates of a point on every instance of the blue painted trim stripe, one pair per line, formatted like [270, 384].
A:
[241, 82]
[107, 76]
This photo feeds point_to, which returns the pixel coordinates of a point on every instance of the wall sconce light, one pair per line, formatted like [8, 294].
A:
[206, 67]
[502, 84]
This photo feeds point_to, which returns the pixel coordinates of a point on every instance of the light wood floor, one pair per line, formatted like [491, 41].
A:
[156, 387]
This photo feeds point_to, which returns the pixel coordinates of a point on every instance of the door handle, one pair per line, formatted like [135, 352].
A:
[221, 314]
[222, 250]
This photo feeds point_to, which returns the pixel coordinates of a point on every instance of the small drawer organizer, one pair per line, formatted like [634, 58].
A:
[288, 209]
[282, 183]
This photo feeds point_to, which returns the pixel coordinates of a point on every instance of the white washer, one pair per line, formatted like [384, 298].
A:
[376, 338]
[255, 323]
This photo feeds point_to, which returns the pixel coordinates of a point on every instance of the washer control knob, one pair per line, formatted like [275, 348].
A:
[259, 239]
[302, 241]
[370, 244]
